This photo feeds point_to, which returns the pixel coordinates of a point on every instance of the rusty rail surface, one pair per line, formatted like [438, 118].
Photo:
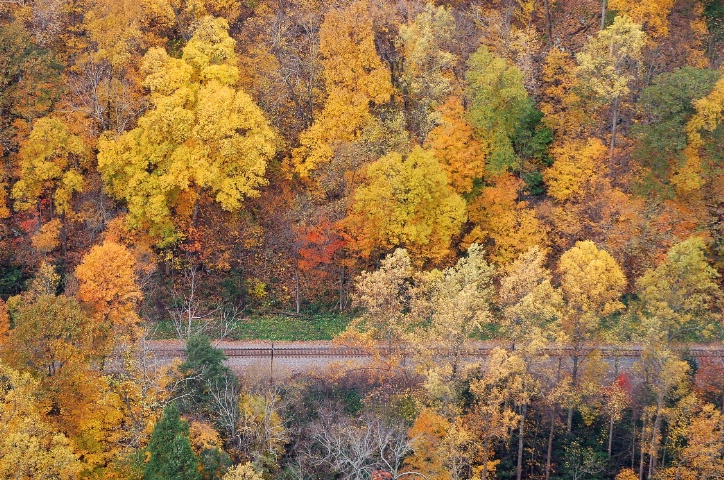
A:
[696, 351]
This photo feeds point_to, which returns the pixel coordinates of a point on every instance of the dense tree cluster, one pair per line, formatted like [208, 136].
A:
[548, 174]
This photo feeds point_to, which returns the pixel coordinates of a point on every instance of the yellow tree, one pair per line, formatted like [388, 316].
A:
[107, 284]
[460, 306]
[703, 456]
[280, 61]
[427, 436]
[607, 63]
[385, 295]
[492, 418]
[243, 471]
[562, 103]
[4, 323]
[531, 309]
[576, 163]
[529, 301]
[500, 220]
[31, 448]
[203, 137]
[455, 146]
[55, 339]
[405, 202]
[104, 76]
[652, 14]
[187, 14]
[666, 376]
[591, 283]
[51, 167]
[428, 65]
[355, 79]
[51, 334]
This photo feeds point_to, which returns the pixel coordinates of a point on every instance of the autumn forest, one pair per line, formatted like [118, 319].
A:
[513, 208]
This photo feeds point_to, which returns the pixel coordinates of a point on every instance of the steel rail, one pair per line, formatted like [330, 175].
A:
[607, 351]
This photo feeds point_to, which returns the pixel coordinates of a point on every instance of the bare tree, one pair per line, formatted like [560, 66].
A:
[358, 448]
[224, 392]
[192, 317]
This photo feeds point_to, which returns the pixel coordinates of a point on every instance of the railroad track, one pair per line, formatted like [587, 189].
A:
[482, 351]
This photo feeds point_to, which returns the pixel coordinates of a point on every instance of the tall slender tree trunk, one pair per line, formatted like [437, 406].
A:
[603, 14]
[633, 445]
[521, 432]
[341, 288]
[296, 287]
[641, 447]
[549, 24]
[551, 433]
[610, 436]
[486, 446]
[614, 124]
[574, 375]
[195, 215]
[550, 442]
[654, 447]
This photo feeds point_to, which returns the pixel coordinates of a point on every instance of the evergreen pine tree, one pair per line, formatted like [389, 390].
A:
[170, 449]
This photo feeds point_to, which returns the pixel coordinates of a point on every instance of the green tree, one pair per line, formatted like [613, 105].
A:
[170, 450]
[498, 105]
[208, 381]
[203, 136]
[667, 105]
[680, 296]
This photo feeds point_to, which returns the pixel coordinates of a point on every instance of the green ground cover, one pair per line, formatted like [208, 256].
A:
[275, 327]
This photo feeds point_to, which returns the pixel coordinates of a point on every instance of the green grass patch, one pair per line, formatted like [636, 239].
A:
[275, 327]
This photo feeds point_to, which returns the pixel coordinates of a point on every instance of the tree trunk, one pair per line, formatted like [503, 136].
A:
[296, 286]
[341, 288]
[574, 375]
[633, 446]
[610, 436]
[613, 132]
[484, 473]
[603, 14]
[549, 454]
[521, 431]
[653, 449]
[549, 25]
[641, 447]
[196, 206]
[553, 411]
